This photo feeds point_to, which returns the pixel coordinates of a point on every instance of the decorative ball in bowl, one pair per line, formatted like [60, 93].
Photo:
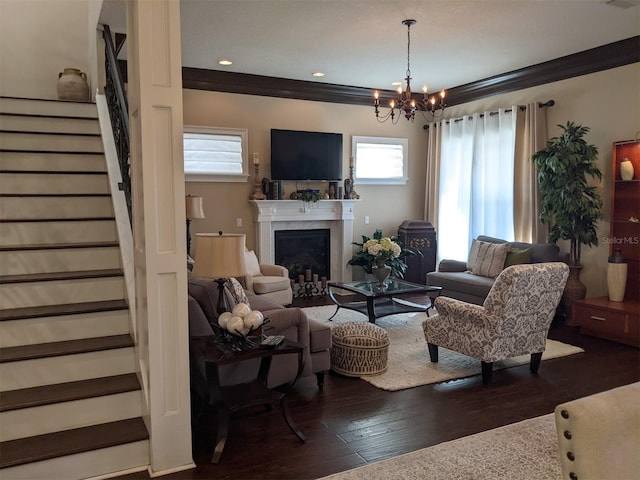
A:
[242, 321]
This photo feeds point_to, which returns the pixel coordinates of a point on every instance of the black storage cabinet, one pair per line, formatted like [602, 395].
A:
[420, 235]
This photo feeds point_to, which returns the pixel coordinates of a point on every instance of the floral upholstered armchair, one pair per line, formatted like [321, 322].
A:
[514, 319]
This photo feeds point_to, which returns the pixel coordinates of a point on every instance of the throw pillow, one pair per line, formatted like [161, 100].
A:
[490, 259]
[237, 292]
[251, 261]
[473, 254]
[517, 256]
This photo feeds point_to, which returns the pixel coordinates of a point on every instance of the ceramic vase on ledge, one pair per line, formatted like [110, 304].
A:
[616, 276]
[72, 85]
[626, 169]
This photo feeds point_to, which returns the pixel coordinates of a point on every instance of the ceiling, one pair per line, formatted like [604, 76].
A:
[363, 43]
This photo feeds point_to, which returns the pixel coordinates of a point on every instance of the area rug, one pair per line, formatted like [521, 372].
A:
[525, 450]
[408, 363]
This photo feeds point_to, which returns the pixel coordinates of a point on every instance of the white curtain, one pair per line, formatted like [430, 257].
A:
[476, 192]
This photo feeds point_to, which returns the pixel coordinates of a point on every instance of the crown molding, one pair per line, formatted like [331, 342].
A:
[612, 55]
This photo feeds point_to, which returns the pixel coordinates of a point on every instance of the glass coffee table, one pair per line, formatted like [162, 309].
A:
[381, 301]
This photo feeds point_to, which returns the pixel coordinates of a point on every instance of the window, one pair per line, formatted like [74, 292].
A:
[380, 160]
[215, 154]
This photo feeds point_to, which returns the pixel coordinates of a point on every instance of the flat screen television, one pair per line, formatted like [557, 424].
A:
[297, 155]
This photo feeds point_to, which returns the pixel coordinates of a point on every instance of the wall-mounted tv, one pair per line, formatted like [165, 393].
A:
[297, 155]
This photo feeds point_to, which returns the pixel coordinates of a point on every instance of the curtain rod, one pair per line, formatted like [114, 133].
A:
[548, 103]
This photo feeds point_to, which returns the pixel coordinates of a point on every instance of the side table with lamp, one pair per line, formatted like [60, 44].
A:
[193, 209]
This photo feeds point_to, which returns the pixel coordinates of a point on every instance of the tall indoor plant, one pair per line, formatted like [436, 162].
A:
[570, 206]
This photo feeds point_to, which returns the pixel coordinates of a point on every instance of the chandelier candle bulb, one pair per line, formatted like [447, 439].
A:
[256, 159]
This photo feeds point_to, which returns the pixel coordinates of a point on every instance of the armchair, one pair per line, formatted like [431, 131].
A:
[514, 319]
[270, 281]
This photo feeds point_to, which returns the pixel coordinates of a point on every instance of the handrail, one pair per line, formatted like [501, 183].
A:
[119, 114]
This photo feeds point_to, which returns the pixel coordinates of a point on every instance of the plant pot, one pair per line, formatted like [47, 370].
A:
[573, 290]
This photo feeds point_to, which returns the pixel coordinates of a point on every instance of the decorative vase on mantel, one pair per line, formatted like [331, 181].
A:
[573, 290]
[616, 276]
[380, 272]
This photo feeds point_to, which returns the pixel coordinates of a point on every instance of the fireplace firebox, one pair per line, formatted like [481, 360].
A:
[303, 250]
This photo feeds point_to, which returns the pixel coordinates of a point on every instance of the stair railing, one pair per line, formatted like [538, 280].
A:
[119, 114]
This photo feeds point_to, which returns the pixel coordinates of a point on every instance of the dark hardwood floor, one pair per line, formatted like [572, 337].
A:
[352, 423]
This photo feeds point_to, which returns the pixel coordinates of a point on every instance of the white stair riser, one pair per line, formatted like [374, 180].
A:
[22, 208]
[37, 233]
[42, 183]
[27, 422]
[34, 294]
[66, 368]
[62, 260]
[31, 331]
[28, 161]
[50, 143]
[18, 123]
[44, 107]
[96, 464]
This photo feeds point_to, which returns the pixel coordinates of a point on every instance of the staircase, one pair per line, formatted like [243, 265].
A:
[70, 400]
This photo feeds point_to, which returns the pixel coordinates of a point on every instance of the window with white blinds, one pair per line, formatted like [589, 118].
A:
[380, 160]
[215, 154]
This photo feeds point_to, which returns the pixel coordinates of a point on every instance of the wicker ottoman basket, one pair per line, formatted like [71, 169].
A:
[359, 349]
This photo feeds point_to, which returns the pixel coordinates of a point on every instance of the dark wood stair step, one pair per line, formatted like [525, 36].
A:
[62, 134]
[68, 391]
[68, 347]
[62, 309]
[57, 246]
[69, 442]
[53, 276]
[55, 172]
[39, 115]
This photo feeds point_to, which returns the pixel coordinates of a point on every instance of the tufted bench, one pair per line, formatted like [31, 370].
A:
[359, 349]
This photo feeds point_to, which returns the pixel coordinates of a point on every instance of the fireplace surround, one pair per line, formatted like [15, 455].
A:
[335, 215]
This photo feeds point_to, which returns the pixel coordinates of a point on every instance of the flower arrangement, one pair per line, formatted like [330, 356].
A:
[379, 251]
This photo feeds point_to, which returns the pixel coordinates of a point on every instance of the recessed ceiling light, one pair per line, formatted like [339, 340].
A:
[318, 74]
[225, 62]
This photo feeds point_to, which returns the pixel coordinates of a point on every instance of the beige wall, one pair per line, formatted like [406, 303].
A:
[607, 102]
[386, 206]
[39, 38]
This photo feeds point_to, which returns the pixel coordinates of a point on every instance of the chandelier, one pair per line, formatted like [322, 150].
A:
[406, 105]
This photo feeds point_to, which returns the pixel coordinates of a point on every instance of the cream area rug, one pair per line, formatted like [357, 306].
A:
[408, 363]
[523, 450]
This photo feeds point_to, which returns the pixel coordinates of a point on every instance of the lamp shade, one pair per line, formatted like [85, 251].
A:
[193, 207]
[220, 255]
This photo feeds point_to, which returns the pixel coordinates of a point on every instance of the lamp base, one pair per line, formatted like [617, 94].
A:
[222, 305]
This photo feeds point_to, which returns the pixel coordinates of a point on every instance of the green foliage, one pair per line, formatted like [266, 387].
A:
[390, 252]
[570, 206]
[310, 196]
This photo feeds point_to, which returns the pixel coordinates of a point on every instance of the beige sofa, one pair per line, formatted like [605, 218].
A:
[599, 435]
[458, 282]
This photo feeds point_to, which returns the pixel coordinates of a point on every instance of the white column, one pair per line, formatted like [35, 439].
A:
[155, 109]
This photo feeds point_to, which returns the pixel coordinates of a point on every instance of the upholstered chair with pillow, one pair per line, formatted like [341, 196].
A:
[270, 281]
[514, 319]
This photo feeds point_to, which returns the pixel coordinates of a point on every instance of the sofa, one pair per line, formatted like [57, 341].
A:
[599, 435]
[459, 281]
[290, 322]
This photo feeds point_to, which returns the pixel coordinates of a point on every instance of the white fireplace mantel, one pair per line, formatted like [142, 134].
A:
[335, 215]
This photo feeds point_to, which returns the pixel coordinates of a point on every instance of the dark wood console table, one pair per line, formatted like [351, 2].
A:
[229, 399]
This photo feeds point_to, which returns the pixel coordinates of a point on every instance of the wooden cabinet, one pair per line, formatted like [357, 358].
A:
[619, 321]
[625, 214]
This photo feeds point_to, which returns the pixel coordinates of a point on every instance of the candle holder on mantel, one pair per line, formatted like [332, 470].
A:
[349, 192]
[257, 194]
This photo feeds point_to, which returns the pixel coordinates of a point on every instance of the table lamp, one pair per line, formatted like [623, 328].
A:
[220, 256]
[193, 209]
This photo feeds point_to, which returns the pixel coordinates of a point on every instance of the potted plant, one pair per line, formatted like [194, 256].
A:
[379, 251]
[570, 206]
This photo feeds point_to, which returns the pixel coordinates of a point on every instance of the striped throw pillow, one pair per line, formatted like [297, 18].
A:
[490, 259]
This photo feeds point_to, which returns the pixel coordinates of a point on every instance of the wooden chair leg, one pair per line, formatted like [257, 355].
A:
[433, 352]
[320, 379]
[487, 372]
[535, 362]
